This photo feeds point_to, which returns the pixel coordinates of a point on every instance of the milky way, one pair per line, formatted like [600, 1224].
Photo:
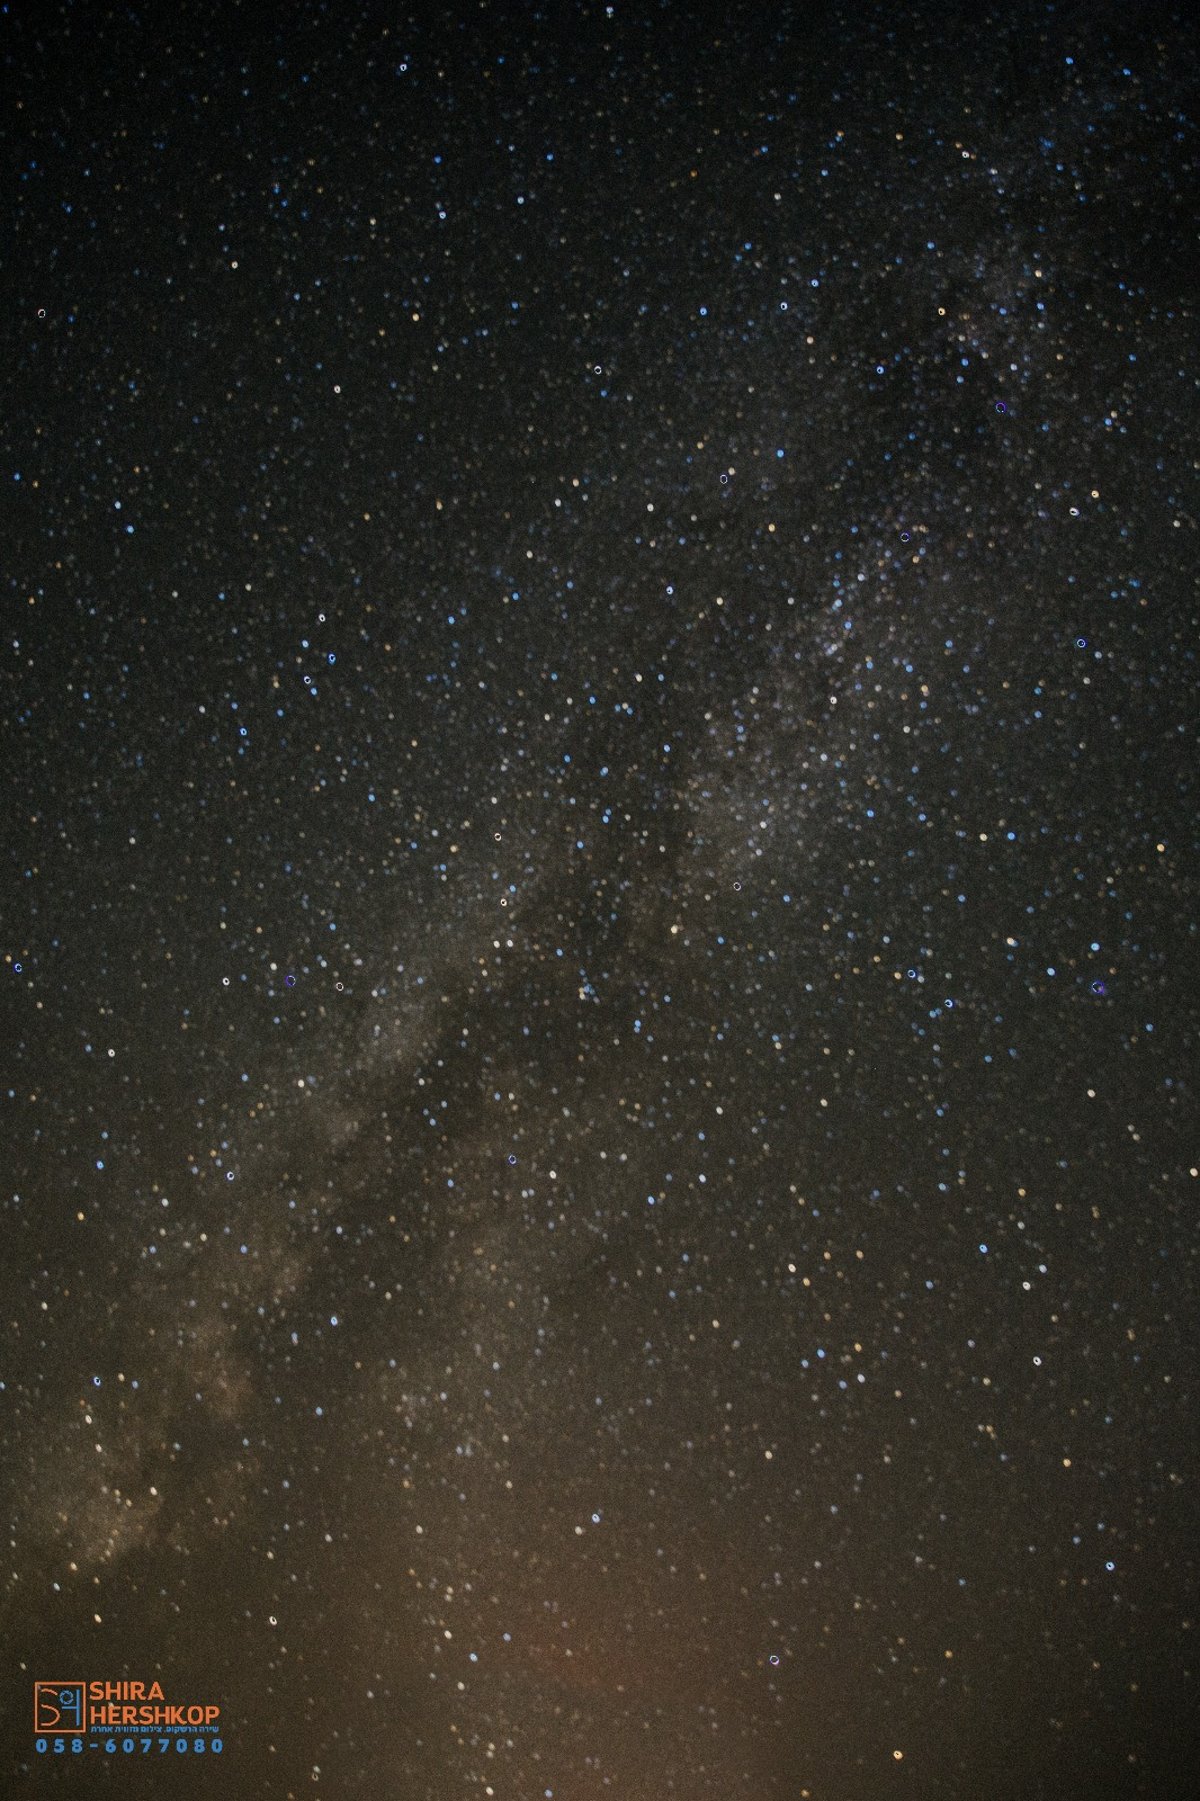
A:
[599, 714]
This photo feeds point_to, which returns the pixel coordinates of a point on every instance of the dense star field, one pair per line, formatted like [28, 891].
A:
[598, 904]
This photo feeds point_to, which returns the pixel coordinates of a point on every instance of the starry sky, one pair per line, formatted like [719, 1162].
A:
[598, 901]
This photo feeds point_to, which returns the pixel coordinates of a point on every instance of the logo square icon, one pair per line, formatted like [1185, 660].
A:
[58, 1706]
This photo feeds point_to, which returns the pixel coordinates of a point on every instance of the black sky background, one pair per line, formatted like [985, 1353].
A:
[689, 1290]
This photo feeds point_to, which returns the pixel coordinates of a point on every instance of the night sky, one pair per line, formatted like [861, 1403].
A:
[598, 901]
